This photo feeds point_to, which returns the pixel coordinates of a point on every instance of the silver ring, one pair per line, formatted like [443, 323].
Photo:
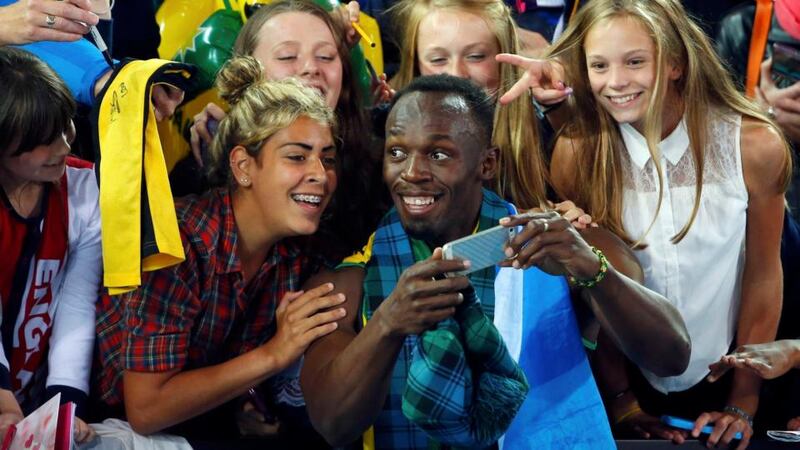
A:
[546, 227]
[771, 112]
[49, 20]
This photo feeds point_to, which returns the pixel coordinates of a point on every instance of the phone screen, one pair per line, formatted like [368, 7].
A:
[483, 249]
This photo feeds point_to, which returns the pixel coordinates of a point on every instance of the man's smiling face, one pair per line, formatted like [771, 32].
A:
[435, 162]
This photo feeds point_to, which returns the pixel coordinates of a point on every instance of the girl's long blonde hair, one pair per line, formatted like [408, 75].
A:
[704, 85]
[523, 174]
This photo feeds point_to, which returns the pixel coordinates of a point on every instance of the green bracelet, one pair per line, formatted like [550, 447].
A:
[592, 282]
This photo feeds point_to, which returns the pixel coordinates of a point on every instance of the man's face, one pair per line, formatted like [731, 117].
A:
[435, 162]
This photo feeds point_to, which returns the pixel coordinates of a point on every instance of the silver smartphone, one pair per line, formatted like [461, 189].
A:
[482, 249]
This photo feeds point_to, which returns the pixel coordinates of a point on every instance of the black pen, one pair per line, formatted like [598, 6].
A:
[101, 44]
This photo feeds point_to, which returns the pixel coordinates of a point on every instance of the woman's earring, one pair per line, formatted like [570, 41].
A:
[245, 181]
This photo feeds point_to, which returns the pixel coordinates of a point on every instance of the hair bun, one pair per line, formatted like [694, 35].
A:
[236, 76]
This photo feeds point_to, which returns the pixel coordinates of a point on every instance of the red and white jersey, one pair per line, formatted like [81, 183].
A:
[49, 282]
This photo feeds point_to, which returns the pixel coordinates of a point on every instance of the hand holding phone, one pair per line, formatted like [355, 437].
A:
[684, 424]
[483, 249]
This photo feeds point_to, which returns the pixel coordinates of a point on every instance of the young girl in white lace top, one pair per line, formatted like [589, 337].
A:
[663, 151]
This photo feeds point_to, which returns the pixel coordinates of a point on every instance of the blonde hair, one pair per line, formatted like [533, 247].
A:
[359, 201]
[704, 81]
[259, 109]
[349, 105]
[523, 172]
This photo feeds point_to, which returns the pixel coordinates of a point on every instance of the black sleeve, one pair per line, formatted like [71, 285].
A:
[732, 41]
[5, 378]
[69, 394]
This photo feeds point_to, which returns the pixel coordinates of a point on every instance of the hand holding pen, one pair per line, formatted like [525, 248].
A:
[29, 21]
[349, 14]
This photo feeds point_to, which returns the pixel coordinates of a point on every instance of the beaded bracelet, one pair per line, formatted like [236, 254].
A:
[592, 282]
[736, 411]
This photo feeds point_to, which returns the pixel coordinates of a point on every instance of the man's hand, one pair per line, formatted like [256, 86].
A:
[200, 135]
[769, 360]
[550, 242]
[420, 301]
[543, 78]
[303, 317]
[785, 102]
[29, 21]
[726, 425]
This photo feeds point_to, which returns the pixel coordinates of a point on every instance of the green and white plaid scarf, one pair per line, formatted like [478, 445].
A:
[455, 385]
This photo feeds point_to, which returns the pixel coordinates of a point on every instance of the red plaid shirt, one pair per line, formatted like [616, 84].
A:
[198, 313]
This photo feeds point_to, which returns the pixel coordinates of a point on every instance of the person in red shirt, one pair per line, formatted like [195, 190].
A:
[200, 334]
[50, 242]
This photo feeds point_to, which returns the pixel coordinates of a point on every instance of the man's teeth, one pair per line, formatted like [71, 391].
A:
[418, 201]
[623, 99]
[316, 199]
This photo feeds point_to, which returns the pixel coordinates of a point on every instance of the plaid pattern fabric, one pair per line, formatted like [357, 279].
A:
[451, 388]
[200, 312]
[463, 388]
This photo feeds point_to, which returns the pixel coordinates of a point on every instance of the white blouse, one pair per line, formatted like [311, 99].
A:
[701, 275]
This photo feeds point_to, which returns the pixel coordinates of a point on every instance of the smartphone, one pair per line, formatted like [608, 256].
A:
[785, 65]
[683, 424]
[482, 249]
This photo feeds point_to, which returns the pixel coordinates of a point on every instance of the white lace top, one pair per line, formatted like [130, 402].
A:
[701, 275]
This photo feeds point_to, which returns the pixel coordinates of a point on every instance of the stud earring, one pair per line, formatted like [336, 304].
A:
[245, 180]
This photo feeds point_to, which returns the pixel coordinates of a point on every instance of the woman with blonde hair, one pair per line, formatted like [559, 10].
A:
[666, 153]
[178, 351]
[461, 38]
[298, 38]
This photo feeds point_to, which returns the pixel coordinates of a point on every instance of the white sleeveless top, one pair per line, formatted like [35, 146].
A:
[701, 275]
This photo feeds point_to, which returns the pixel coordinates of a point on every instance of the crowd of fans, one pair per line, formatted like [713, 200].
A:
[298, 297]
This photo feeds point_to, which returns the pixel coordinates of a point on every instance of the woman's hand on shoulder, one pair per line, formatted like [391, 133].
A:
[576, 216]
[303, 317]
[548, 240]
